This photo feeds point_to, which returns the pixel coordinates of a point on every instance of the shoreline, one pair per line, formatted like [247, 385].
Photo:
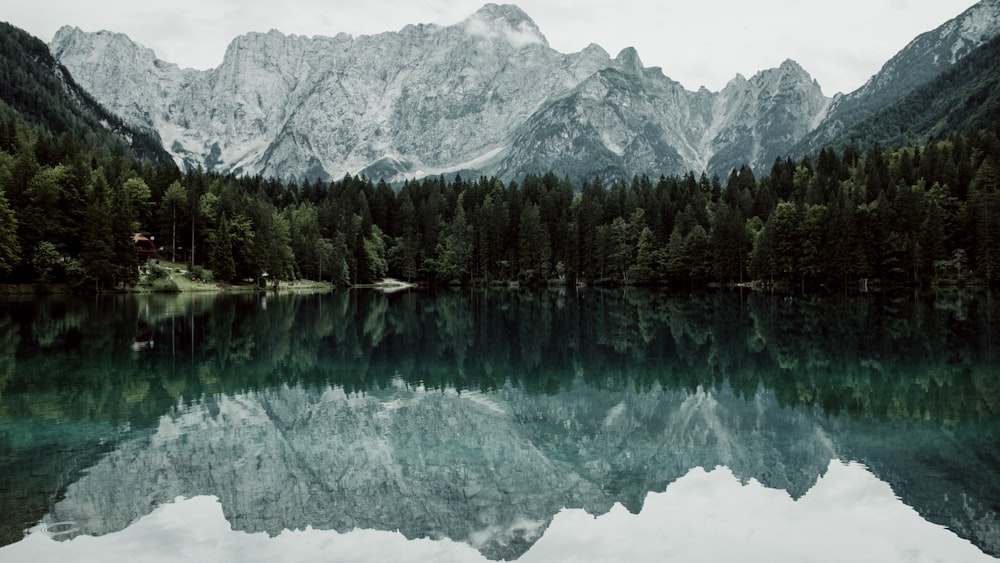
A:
[183, 284]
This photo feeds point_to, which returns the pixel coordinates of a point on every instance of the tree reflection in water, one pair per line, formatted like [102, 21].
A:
[624, 390]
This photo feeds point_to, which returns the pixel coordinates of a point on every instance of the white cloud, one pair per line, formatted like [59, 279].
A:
[523, 36]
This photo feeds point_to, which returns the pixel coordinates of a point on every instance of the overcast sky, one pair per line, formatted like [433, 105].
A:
[696, 42]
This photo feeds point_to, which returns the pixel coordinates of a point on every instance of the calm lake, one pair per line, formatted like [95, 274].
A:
[473, 425]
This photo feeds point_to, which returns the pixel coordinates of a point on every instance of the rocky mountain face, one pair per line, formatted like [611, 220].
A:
[487, 95]
[627, 118]
[925, 57]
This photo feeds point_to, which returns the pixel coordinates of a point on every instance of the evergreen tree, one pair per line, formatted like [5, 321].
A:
[697, 254]
[673, 258]
[96, 247]
[10, 247]
[173, 204]
[340, 275]
[984, 211]
[646, 259]
[730, 243]
[272, 255]
[123, 227]
[325, 258]
[220, 257]
[453, 255]
[493, 233]
[533, 245]
[763, 258]
[374, 265]
[815, 263]
[42, 217]
[787, 223]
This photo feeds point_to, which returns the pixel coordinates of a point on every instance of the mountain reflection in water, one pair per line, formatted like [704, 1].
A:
[490, 419]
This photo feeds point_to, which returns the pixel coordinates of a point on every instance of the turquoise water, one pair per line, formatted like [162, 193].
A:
[463, 425]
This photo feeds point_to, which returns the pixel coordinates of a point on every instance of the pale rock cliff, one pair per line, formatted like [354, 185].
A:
[487, 95]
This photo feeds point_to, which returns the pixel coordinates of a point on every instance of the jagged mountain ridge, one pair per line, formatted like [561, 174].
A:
[630, 118]
[479, 95]
[486, 95]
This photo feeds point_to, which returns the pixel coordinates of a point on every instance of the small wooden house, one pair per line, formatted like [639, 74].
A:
[144, 247]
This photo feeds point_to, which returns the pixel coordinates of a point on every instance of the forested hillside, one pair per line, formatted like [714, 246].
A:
[963, 98]
[40, 90]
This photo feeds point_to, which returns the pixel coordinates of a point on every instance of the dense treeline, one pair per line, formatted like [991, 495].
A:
[915, 214]
[912, 215]
[68, 209]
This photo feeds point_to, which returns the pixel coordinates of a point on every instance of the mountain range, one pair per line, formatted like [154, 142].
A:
[487, 95]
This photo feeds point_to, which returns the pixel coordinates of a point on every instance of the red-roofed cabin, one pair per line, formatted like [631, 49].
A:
[144, 247]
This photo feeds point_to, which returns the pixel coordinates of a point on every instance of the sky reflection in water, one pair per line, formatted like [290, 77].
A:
[705, 516]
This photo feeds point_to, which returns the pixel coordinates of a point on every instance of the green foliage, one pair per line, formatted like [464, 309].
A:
[200, 274]
[220, 257]
[45, 258]
[10, 246]
[174, 202]
[984, 213]
[730, 243]
[533, 248]
[154, 273]
[896, 216]
[138, 196]
[374, 266]
[164, 285]
[272, 236]
[97, 245]
[453, 254]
